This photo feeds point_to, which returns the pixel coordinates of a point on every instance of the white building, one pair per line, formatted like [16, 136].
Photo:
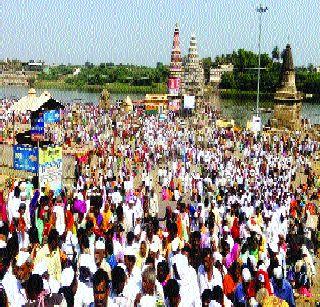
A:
[318, 69]
[193, 74]
[216, 73]
[77, 71]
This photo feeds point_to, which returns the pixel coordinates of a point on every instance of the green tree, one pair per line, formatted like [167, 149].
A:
[207, 64]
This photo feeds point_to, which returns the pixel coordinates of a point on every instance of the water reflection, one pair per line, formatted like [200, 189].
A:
[240, 110]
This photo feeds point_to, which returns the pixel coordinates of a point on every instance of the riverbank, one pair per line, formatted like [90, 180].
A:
[232, 93]
[117, 88]
[236, 94]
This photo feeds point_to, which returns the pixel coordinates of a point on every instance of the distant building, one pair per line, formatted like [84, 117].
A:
[216, 73]
[156, 103]
[35, 66]
[77, 71]
[88, 65]
[193, 74]
[318, 69]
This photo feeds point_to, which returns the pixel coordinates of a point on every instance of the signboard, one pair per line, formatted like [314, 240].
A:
[173, 85]
[37, 127]
[25, 158]
[51, 116]
[189, 102]
[256, 123]
[50, 168]
[174, 105]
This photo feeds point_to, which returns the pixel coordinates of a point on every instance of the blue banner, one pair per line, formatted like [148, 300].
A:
[51, 117]
[37, 126]
[25, 158]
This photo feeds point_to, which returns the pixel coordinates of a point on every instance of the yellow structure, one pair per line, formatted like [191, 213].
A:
[222, 123]
[127, 105]
[104, 102]
[156, 103]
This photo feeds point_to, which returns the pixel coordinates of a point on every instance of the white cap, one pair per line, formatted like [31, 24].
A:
[129, 251]
[40, 268]
[246, 275]
[100, 244]
[87, 260]
[304, 250]
[174, 245]
[137, 230]
[277, 272]
[67, 276]
[262, 267]
[23, 194]
[154, 247]
[22, 258]
[217, 257]
[274, 247]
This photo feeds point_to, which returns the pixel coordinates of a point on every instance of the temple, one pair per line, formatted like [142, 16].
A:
[287, 107]
[193, 74]
[174, 80]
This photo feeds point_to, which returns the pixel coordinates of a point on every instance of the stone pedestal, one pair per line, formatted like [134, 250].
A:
[287, 107]
[287, 115]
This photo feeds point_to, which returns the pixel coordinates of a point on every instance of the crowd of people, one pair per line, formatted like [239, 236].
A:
[165, 213]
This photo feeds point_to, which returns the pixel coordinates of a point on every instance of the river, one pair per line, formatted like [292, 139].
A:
[239, 110]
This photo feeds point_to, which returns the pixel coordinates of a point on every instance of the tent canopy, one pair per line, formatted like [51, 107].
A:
[32, 103]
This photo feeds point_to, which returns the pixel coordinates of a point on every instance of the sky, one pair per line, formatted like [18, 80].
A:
[141, 31]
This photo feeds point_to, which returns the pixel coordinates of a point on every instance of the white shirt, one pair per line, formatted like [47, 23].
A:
[12, 288]
[204, 283]
[84, 295]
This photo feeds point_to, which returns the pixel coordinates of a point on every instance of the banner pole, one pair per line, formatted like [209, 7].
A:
[38, 145]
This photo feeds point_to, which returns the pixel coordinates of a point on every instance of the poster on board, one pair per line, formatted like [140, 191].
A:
[50, 168]
[25, 158]
[189, 102]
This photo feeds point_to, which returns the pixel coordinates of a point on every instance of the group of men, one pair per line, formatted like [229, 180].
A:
[165, 213]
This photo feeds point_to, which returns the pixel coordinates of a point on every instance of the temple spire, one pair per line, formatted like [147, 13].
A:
[174, 79]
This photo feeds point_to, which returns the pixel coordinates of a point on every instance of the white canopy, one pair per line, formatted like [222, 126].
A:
[30, 102]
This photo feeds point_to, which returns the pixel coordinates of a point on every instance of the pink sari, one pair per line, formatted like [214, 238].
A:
[3, 208]
[233, 255]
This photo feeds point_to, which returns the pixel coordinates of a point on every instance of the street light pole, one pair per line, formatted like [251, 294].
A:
[260, 10]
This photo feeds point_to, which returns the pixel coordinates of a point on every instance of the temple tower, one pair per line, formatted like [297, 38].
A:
[287, 107]
[193, 78]
[174, 80]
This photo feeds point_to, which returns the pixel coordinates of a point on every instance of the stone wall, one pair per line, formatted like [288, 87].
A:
[287, 116]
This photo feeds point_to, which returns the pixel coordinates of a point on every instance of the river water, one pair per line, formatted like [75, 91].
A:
[239, 110]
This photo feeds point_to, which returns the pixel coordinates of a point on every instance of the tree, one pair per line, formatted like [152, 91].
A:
[228, 81]
[207, 64]
[275, 54]
[310, 67]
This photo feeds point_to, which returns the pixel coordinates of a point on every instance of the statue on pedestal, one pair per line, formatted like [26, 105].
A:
[104, 102]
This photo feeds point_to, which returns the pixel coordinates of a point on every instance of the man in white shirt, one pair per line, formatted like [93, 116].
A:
[154, 204]
[208, 275]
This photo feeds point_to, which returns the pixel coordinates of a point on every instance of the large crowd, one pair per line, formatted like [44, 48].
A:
[173, 212]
